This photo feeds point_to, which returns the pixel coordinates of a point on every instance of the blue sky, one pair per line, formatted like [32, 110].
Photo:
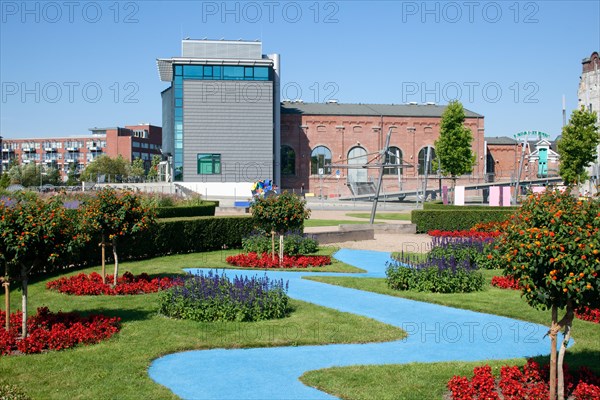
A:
[69, 66]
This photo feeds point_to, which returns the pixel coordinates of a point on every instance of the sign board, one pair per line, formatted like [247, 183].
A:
[527, 134]
[320, 171]
[337, 174]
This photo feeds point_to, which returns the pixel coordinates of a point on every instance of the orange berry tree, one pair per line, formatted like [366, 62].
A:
[36, 235]
[117, 215]
[551, 245]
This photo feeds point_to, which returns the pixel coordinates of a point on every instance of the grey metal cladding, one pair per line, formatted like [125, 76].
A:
[168, 121]
[231, 118]
[221, 49]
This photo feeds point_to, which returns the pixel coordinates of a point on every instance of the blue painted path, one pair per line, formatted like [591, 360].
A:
[436, 333]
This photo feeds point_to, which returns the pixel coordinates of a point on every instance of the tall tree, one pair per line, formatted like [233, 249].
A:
[73, 175]
[153, 171]
[453, 148]
[137, 169]
[577, 146]
[113, 168]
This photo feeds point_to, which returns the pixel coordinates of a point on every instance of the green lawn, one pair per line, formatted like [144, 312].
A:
[428, 381]
[384, 216]
[117, 368]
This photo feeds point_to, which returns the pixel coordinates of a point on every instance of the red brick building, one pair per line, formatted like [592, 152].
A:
[131, 142]
[348, 136]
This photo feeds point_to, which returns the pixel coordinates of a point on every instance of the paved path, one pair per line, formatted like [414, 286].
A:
[436, 333]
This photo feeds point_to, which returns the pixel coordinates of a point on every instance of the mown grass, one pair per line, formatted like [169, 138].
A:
[383, 216]
[117, 368]
[428, 381]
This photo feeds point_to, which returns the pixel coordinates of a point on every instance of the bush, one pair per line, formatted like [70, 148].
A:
[214, 297]
[205, 209]
[12, 392]
[433, 279]
[457, 218]
[471, 251]
[293, 244]
[177, 236]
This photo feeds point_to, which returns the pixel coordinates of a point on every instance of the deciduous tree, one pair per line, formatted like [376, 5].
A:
[577, 146]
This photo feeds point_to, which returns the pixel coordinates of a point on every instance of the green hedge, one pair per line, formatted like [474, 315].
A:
[175, 236]
[458, 218]
[435, 205]
[205, 209]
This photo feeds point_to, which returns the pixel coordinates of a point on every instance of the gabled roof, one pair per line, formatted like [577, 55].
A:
[502, 140]
[376, 110]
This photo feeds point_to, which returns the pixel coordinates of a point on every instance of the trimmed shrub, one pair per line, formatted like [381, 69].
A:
[205, 209]
[457, 218]
[177, 236]
[433, 279]
[214, 297]
[293, 244]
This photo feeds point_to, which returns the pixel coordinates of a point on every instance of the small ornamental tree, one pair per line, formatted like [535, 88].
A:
[453, 147]
[552, 246]
[116, 215]
[577, 146]
[35, 233]
[279, 214]
[153, 171]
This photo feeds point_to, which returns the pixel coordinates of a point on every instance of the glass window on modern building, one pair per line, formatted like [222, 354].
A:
[209, 164]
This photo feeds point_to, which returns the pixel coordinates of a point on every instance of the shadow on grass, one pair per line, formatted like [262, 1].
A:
[126, 315]
[575, 360]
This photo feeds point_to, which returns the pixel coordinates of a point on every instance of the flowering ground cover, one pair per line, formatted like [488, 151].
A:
[216, 297]
[265, 260]
[55, 331]
[529, 382]
[92, 285]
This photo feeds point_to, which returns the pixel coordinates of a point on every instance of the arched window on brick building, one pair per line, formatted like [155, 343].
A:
[319, 158]
[357, 156]
[394, 156]
[424, 159]
[288, 161]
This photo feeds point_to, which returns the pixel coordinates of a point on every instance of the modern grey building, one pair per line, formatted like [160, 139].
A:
[221, 114]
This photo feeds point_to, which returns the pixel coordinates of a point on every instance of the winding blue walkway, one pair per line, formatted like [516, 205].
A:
[436, 333]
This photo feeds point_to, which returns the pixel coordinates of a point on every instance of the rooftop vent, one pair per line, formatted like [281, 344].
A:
[332, 101]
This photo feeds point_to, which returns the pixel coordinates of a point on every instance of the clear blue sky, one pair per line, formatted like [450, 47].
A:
[510, 61]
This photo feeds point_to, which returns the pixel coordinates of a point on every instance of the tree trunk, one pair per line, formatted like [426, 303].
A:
[554, 328]
[280, 250]
[24, 282]
[114, 246]
[567, 322]
[273, 245]
[453, 190]
[6, 285]
[103, 244]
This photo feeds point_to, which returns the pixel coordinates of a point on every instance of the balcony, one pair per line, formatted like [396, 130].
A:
[50, 149]
[28, 149]
[72, 148]
[5, 150]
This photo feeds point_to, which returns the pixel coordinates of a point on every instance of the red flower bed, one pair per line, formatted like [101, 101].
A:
[465, 234]
[527, 383]
[55, 331]
[86, 285]
[253, 260]
[589, 314]
[506, 282]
